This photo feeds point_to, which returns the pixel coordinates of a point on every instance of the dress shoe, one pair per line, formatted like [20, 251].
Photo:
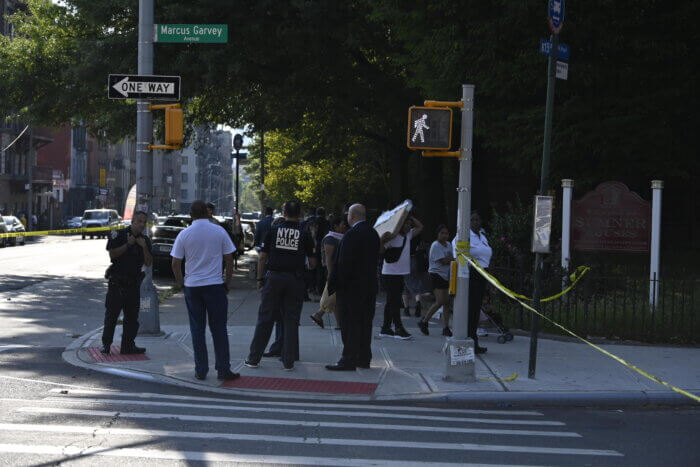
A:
[228, 376]
[288, 368]
[340, 367]
[250, 364]
[447, 332]
[271, 354]
[106, 349]
[132, 350]
[480, 350]
[200, 377]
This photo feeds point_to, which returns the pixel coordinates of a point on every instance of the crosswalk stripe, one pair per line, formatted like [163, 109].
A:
[310, 440]
[296, 423]
[390, 408]
[241, 459]
[304, 412]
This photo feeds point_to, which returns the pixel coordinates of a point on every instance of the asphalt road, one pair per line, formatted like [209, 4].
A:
[53, 413]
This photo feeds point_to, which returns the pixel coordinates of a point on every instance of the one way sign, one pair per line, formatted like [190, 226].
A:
[144, 87]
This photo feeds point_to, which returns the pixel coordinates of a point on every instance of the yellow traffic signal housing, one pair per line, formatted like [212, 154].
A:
[174, 127]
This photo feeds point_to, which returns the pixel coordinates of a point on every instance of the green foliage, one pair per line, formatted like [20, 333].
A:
[324, 181]
[509, 233]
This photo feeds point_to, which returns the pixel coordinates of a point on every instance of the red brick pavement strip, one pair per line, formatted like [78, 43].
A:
[114, 356]
[300, 385]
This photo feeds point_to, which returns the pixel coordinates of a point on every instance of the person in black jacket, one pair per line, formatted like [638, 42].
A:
[354, 279]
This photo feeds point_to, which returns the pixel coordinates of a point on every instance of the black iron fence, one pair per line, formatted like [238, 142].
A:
[608, 306]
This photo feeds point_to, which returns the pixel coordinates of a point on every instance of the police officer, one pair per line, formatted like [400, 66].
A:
[284, 250]
[129, 250]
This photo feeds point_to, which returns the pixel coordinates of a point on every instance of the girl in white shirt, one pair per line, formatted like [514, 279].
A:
[439, 268]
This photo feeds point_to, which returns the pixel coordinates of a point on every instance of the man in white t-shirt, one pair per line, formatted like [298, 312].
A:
[203, 245]
[394, 270]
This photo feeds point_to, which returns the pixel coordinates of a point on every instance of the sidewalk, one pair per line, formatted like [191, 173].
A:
[568, 373]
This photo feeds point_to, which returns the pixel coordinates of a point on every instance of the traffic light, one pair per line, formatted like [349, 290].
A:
[174, 127]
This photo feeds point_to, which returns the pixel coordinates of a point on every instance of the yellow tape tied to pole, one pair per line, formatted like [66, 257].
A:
[519, 298]
[59, 232]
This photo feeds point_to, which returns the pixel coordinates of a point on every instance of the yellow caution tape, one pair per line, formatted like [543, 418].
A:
[60, 232]
[644, 373]
[504, 380]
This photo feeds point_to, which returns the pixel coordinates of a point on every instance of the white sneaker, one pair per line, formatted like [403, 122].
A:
[481, 332]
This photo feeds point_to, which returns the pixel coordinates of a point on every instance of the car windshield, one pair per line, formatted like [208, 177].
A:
[96, 215]
[177, 222]
[8, 220]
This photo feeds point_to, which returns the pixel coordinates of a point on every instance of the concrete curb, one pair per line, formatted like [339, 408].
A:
[495, 399]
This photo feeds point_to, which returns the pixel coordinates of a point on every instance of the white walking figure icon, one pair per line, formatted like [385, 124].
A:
[419, 125]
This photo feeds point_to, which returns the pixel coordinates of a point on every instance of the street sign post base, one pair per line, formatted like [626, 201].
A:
[460, 360]
[149, 318]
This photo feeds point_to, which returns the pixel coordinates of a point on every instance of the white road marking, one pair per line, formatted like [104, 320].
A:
[240, 459]
[492, 421]
[52, 384]
[3, 348]
[265, 421]
[391, 408]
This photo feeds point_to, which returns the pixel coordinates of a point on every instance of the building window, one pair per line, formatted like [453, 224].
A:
[183, 194]
[184, 160]
[184, 177]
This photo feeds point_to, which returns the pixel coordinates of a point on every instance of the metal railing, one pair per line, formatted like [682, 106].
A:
[607, 306]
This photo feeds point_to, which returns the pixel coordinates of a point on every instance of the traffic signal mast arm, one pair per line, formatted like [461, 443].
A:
[174, 126]
[457, 104]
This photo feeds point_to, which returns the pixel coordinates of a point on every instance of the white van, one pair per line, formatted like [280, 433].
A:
[100, 218]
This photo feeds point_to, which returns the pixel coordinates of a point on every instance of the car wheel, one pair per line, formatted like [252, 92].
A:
[83, 236]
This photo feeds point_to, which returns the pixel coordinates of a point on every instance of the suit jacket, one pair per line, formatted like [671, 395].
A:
[356, 265]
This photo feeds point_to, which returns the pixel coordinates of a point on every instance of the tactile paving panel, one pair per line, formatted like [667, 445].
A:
[300, 385]
[114, 355]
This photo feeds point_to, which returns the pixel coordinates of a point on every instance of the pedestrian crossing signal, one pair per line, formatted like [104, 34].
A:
[429, 128]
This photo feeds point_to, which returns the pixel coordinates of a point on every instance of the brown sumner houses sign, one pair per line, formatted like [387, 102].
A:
[611, 218]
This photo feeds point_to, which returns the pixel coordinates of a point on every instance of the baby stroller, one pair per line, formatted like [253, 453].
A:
[490, 316]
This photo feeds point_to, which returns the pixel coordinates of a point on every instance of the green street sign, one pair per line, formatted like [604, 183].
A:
[191, 33]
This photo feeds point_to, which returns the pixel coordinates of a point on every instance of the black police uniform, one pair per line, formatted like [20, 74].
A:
[123, 291]
[287, 246]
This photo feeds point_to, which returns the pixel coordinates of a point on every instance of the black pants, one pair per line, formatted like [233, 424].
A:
[394, 301]
[356, 310]
[276, 346]
[477, 286]
[283, 293]
[122, 297]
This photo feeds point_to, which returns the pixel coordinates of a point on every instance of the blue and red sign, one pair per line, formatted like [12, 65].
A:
[555, 15]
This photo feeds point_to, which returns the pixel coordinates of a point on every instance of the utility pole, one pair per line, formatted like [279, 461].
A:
[148, 317]
[460, 347]
[31, 157]
[262, 170]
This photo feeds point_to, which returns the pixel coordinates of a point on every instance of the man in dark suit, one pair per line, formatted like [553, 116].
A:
[354, 279]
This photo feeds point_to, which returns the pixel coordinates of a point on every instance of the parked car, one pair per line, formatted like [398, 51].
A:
[3, 229]
[73, 223]
[162, 239]
[13, 225]
[100, 218]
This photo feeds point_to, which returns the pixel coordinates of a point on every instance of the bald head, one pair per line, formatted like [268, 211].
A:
[356, 213]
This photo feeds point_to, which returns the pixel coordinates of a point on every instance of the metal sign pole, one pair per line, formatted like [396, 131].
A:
[460, 348]
[544, 186]
[148, 317]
